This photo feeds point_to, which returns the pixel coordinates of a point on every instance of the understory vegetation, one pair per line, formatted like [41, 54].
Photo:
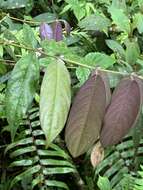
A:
[71, 95]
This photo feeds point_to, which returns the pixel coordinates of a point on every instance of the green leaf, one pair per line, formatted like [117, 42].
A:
[116, 47]
[28, 36]
[21, 151]
[138, 22]
[132, 52]
[119, 4]
[52, 47]
[120, 19]
[95, 22]
[140, 3]
[13, 4]
[45, 17]
[93, 59]
[58, 170]
[21, 90]
[45, 61]
[55, 183]
[103, 183]
[28, 172]
[55, 98]
[1, 51]
[77, 7]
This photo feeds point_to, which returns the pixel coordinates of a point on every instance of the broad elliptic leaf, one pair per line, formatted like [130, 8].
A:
[21, 89]
[55, 99]
[123, 111]
[86, 115]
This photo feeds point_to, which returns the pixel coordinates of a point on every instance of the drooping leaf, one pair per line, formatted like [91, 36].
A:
[123, 111]
[21, 89]
[86, 115]
[57, 31]
[55, 98]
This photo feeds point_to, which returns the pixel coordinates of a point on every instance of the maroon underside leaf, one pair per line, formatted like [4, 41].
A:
[86, 115]
[123, 112]
[57, 29]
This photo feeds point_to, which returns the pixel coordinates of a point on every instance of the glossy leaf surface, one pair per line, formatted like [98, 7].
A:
[21, 90]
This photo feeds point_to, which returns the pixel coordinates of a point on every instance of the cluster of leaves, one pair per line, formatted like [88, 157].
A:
[75, 64]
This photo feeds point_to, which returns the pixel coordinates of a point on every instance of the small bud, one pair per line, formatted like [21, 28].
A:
[46, 31]
[58, 33]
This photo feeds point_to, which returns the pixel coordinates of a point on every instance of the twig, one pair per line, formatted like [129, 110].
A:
[7, 62]
[39, 50]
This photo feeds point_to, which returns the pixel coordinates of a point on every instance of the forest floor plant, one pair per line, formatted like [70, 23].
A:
[71, 94]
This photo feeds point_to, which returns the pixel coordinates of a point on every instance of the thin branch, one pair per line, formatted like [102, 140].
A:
[7, 62]
[39, 50]
[23, 21]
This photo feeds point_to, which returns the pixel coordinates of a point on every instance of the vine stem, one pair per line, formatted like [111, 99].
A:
[24, 21]
[30, 21]
[39, 50]
[7, 62]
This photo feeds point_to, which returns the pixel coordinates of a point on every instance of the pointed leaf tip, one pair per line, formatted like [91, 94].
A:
[55, 98]
[123, 112]
[86, 115]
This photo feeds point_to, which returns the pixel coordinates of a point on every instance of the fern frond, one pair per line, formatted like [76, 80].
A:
[119, 163]
[30, 154]
[139, 181]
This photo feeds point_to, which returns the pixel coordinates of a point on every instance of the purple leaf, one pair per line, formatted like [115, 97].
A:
[46, 31]
[58, 33]
[123, 112]
[67, 27]
[86, 115]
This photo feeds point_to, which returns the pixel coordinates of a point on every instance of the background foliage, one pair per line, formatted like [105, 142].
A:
[36, 72]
